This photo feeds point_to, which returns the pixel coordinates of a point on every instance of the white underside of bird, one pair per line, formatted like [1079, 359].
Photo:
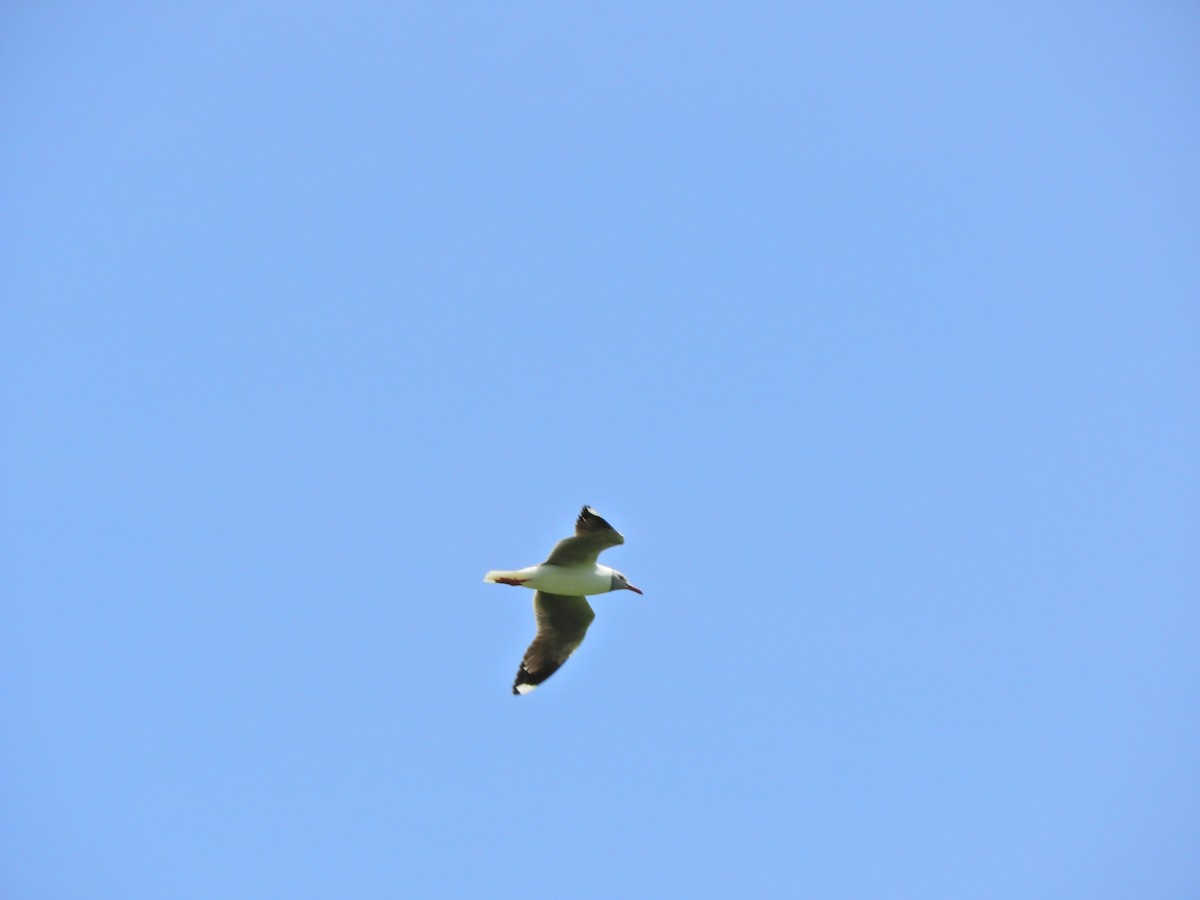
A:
[581, 581]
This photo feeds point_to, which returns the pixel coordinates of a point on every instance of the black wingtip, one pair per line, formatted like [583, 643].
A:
[526, 681]
[589, 520]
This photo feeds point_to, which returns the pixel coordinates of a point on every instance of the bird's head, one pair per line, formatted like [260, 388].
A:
[621, 583]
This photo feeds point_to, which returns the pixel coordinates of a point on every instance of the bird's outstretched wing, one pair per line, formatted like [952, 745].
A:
[592, 536]
[562, 622]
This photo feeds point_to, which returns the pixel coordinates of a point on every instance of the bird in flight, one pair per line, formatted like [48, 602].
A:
[563, 583]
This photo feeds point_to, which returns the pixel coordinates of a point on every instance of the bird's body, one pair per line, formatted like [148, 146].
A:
[568, 575]
[583, 581]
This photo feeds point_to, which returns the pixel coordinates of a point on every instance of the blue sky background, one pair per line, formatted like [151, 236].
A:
[873, 327]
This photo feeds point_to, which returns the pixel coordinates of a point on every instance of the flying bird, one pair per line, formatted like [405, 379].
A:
[563, 583]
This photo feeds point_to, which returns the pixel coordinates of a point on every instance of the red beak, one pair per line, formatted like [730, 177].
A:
[630, 587]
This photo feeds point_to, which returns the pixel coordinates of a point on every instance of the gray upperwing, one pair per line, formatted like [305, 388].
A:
[592, 537]
[562, 622]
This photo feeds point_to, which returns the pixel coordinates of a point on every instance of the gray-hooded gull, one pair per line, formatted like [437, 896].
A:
[563, 582]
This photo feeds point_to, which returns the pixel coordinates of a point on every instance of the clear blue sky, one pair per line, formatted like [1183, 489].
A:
[873, 327]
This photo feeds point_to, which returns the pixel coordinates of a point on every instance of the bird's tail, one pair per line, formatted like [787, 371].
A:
[501, 576]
